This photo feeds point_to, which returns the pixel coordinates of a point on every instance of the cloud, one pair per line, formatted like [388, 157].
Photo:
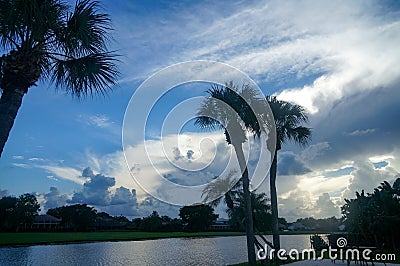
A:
[315, 150]
[3, 193]
[98, 120]
[325, 207]
[367, 177]
[96, 191]
[18, 157]
[54, 199]
[36, 159]
[296, 204]
[100, 192]
[360, 132]
[52, 178]
[64, 172]
[289, 164]
[21, 165]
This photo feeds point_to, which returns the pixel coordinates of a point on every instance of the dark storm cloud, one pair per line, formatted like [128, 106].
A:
[360, 125]
[123, 195]
[54, 198]
[96, 191]
[289, 164]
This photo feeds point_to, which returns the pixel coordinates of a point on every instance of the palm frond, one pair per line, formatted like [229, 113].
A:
[86, 29]
[288, 119]
[91, 74]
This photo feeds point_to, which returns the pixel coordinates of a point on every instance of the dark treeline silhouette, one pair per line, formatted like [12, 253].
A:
[17, 213]
[330, 224]
[374, 218]
[21, 214]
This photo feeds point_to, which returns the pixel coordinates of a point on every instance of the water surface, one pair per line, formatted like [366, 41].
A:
[171, 251]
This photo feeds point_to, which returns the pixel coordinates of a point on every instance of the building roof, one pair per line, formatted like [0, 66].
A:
[45, 218]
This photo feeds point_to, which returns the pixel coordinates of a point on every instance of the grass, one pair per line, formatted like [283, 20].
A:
[35, 238]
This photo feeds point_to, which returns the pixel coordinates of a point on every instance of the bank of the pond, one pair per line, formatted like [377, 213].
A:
[39, 238]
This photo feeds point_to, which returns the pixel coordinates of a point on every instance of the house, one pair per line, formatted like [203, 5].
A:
[221, 224]
[45, 221]
[296, 226]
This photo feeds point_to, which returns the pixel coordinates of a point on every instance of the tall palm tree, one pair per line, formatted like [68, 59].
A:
[288, 119]
[50, 40]
[227, 108]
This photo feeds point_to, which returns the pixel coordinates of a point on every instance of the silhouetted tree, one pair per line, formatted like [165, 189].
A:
[227, 108]
[374, 218]
[18, 211]
[78, 217]
[50, 40]
[288, 123]
[197, 217]
[8, 213]
[151, 223]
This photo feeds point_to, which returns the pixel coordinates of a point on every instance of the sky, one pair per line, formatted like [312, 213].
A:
[338, 59]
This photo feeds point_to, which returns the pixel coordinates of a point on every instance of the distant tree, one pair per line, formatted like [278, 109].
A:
[50, 40]
[15, 212]
[261, 211]
[282, 221]
[374, 218]
[103, 215]
[173, 225]
[7, 213]
[26, 209]
[78, 217]
[151, 223]
[136, 223]
[197, 217]
[121, 219]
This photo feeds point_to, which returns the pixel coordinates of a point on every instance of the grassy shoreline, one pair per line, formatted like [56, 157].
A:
[46, 238]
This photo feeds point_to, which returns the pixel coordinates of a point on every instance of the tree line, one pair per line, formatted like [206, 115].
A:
[18, 214]
[374, 218]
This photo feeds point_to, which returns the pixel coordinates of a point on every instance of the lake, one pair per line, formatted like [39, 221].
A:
[171, 251]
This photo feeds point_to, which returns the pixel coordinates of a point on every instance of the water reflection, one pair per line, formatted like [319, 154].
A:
[176, 251]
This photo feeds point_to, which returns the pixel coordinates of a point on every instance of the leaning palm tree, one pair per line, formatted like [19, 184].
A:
[288, 119]
[222, 188]
[227, 108]
[47, 39]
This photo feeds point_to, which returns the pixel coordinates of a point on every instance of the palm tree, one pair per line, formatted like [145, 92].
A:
[227, 108]
[229, 187]
[288, 119]
[46, 39]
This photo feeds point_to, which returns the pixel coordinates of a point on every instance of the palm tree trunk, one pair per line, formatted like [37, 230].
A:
[10, 103]
[274, 207]
[251, 253]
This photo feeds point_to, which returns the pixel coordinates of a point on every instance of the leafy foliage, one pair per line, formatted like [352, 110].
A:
[374, 218]
[15, 212]
[50, 39]
[261, 211]
[288, 119]
[228, 108]
[318, 243]
[197, 217]
[78, 217]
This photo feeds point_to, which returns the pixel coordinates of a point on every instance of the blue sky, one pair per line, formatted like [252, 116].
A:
[339, 59]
